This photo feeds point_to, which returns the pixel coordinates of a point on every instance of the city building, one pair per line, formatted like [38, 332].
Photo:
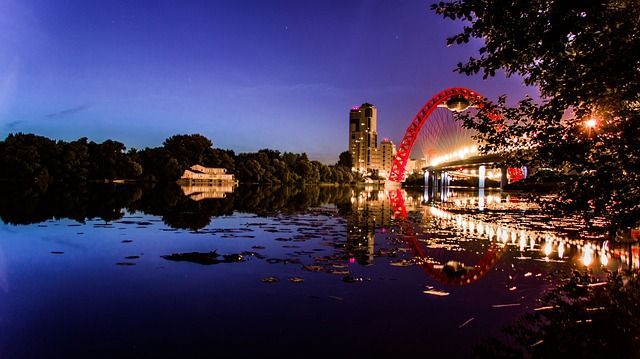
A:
[387, 152]
[415, 166]
[368, 157]
[205, 175]
[363, 136]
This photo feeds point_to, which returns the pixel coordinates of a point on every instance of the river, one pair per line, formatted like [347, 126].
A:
[118, 271]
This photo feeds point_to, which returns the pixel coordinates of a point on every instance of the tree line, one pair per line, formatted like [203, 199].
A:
[40, 160]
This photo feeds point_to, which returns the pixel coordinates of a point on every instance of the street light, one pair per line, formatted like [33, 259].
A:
[590, 126]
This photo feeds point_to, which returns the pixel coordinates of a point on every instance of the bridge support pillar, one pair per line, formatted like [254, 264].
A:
[503, 177]
[482, 174]
[434, 185]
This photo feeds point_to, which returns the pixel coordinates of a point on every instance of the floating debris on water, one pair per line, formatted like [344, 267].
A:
[401, 263]
[548, 307]
[314, 268]
[505, 305]
[204, 258]
[466, 322]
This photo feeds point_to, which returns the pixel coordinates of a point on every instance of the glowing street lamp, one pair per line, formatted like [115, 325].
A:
[590, 123]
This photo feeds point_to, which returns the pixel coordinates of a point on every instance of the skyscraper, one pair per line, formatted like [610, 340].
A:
[387, 152]
[363, 136]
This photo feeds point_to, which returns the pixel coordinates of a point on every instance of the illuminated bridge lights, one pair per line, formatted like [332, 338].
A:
[460, 154]
[454, 99]
[398, 167]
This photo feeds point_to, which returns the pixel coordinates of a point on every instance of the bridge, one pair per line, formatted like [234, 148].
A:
[462, 159]
[442, 167]
[449, 150]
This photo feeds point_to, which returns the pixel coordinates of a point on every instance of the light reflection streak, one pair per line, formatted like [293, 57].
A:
[591, 250]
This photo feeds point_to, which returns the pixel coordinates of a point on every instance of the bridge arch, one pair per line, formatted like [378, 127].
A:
[484, 265]
[403, 151]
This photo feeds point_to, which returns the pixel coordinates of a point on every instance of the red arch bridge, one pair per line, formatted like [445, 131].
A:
[465, 162]
[455, 99]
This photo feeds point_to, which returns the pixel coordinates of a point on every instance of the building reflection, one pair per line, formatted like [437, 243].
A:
[462, 234]
[201, 192]
[370, 211]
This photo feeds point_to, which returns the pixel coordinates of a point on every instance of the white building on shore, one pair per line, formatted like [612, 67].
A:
[207, 176]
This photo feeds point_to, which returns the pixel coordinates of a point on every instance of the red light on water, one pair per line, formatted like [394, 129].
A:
[383, 230]
[352, 260]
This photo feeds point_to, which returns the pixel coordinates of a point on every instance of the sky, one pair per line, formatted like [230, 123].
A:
[280, 74]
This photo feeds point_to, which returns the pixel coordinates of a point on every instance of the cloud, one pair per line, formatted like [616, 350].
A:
[67, 112]
[13, 124]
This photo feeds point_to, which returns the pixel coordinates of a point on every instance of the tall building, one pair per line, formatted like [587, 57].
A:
[387, 151]
[363, 136]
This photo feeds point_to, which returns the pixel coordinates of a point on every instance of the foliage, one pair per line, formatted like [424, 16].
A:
[583, 57]
[36, 159]
[415, 179]
[268, 166]
[578, 319]
[345, 159]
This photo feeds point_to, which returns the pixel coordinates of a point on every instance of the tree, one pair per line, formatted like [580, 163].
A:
[188, 150]
[110, 161]
[159, 165]
[584, 58]
[345, 160]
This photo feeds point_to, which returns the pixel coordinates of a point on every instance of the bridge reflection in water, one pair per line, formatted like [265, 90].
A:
[457, 236]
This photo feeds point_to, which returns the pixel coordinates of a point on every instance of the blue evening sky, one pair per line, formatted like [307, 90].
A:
[246, 74]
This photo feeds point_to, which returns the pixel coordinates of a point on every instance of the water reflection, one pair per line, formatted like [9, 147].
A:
[236, 258]
[439, 231]
[370, 212]
[583, 317]
[181, 208]
[200, 192]
[504, 220]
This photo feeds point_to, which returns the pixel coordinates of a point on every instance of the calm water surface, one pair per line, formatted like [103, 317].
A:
[126, 272]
